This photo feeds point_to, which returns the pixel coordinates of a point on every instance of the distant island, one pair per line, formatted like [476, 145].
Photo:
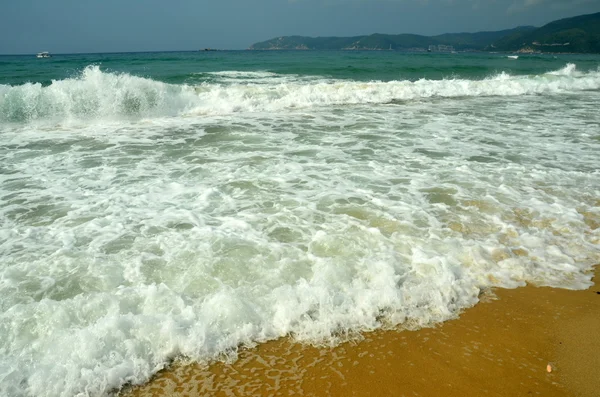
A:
[580, 34]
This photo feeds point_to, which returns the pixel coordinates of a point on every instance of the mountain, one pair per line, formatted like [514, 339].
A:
[460, 41]
[577, 34]
[480, 40]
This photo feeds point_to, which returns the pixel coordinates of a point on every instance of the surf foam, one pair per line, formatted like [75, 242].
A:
[121, 250]
[98, 95]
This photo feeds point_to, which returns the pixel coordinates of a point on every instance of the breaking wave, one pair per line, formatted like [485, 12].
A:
[100, 95]
[121, 251]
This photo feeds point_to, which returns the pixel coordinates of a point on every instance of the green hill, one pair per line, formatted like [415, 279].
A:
[480, 40]
[577, 34]
[460, 41]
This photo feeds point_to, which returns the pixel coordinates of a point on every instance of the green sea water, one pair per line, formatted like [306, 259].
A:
[189, 67]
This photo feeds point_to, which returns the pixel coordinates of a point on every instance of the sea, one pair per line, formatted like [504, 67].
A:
[156, 206]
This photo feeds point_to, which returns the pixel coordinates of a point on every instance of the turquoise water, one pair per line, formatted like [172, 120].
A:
[189, 67]
[161, 205]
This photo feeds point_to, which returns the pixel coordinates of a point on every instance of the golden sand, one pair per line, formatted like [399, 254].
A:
[501, 347]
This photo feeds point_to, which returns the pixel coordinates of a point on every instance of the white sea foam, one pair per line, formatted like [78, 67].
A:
[262, 78]
[93, 95]
[124, 244]
[569, 70]
[98, 95]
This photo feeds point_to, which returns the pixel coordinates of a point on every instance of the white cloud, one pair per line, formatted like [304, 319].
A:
[519, 6]
[513, 6]
[523, 5]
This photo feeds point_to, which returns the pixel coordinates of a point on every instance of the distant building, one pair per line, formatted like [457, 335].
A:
[440, 48]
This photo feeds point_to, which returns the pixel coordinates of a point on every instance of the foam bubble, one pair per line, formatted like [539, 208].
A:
[92, 95]
[128, 243]
[98, 95]
[569, 70]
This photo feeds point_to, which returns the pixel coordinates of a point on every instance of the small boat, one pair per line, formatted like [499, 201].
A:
[44, 54]
[513, 57]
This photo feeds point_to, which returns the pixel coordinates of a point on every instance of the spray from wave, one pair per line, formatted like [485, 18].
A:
[98, 95]
[120, 252]
[93, 95]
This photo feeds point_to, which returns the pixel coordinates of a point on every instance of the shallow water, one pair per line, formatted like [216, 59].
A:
[159, 205]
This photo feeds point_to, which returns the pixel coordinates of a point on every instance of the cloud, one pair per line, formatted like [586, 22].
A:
[523, 5]
[519, 6]
[513, 6]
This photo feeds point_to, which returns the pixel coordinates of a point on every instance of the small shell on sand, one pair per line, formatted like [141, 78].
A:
[549, 367]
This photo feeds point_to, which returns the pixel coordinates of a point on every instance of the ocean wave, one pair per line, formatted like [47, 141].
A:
[122, 250]
[100, 95]
[94, 94]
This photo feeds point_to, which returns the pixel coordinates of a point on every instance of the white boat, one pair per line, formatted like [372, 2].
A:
[44, 54]
[513, 57]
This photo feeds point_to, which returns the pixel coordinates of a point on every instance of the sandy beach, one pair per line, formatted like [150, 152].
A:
[523, 342]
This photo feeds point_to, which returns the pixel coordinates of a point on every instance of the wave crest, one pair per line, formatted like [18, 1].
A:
[92, 95]
[103, 95]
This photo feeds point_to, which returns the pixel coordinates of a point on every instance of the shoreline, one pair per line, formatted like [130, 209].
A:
[502, 346]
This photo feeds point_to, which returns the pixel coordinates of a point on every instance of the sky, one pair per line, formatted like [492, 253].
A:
[83, 26]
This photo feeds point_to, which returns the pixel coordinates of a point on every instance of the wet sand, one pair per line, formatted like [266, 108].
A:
[501, 347]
